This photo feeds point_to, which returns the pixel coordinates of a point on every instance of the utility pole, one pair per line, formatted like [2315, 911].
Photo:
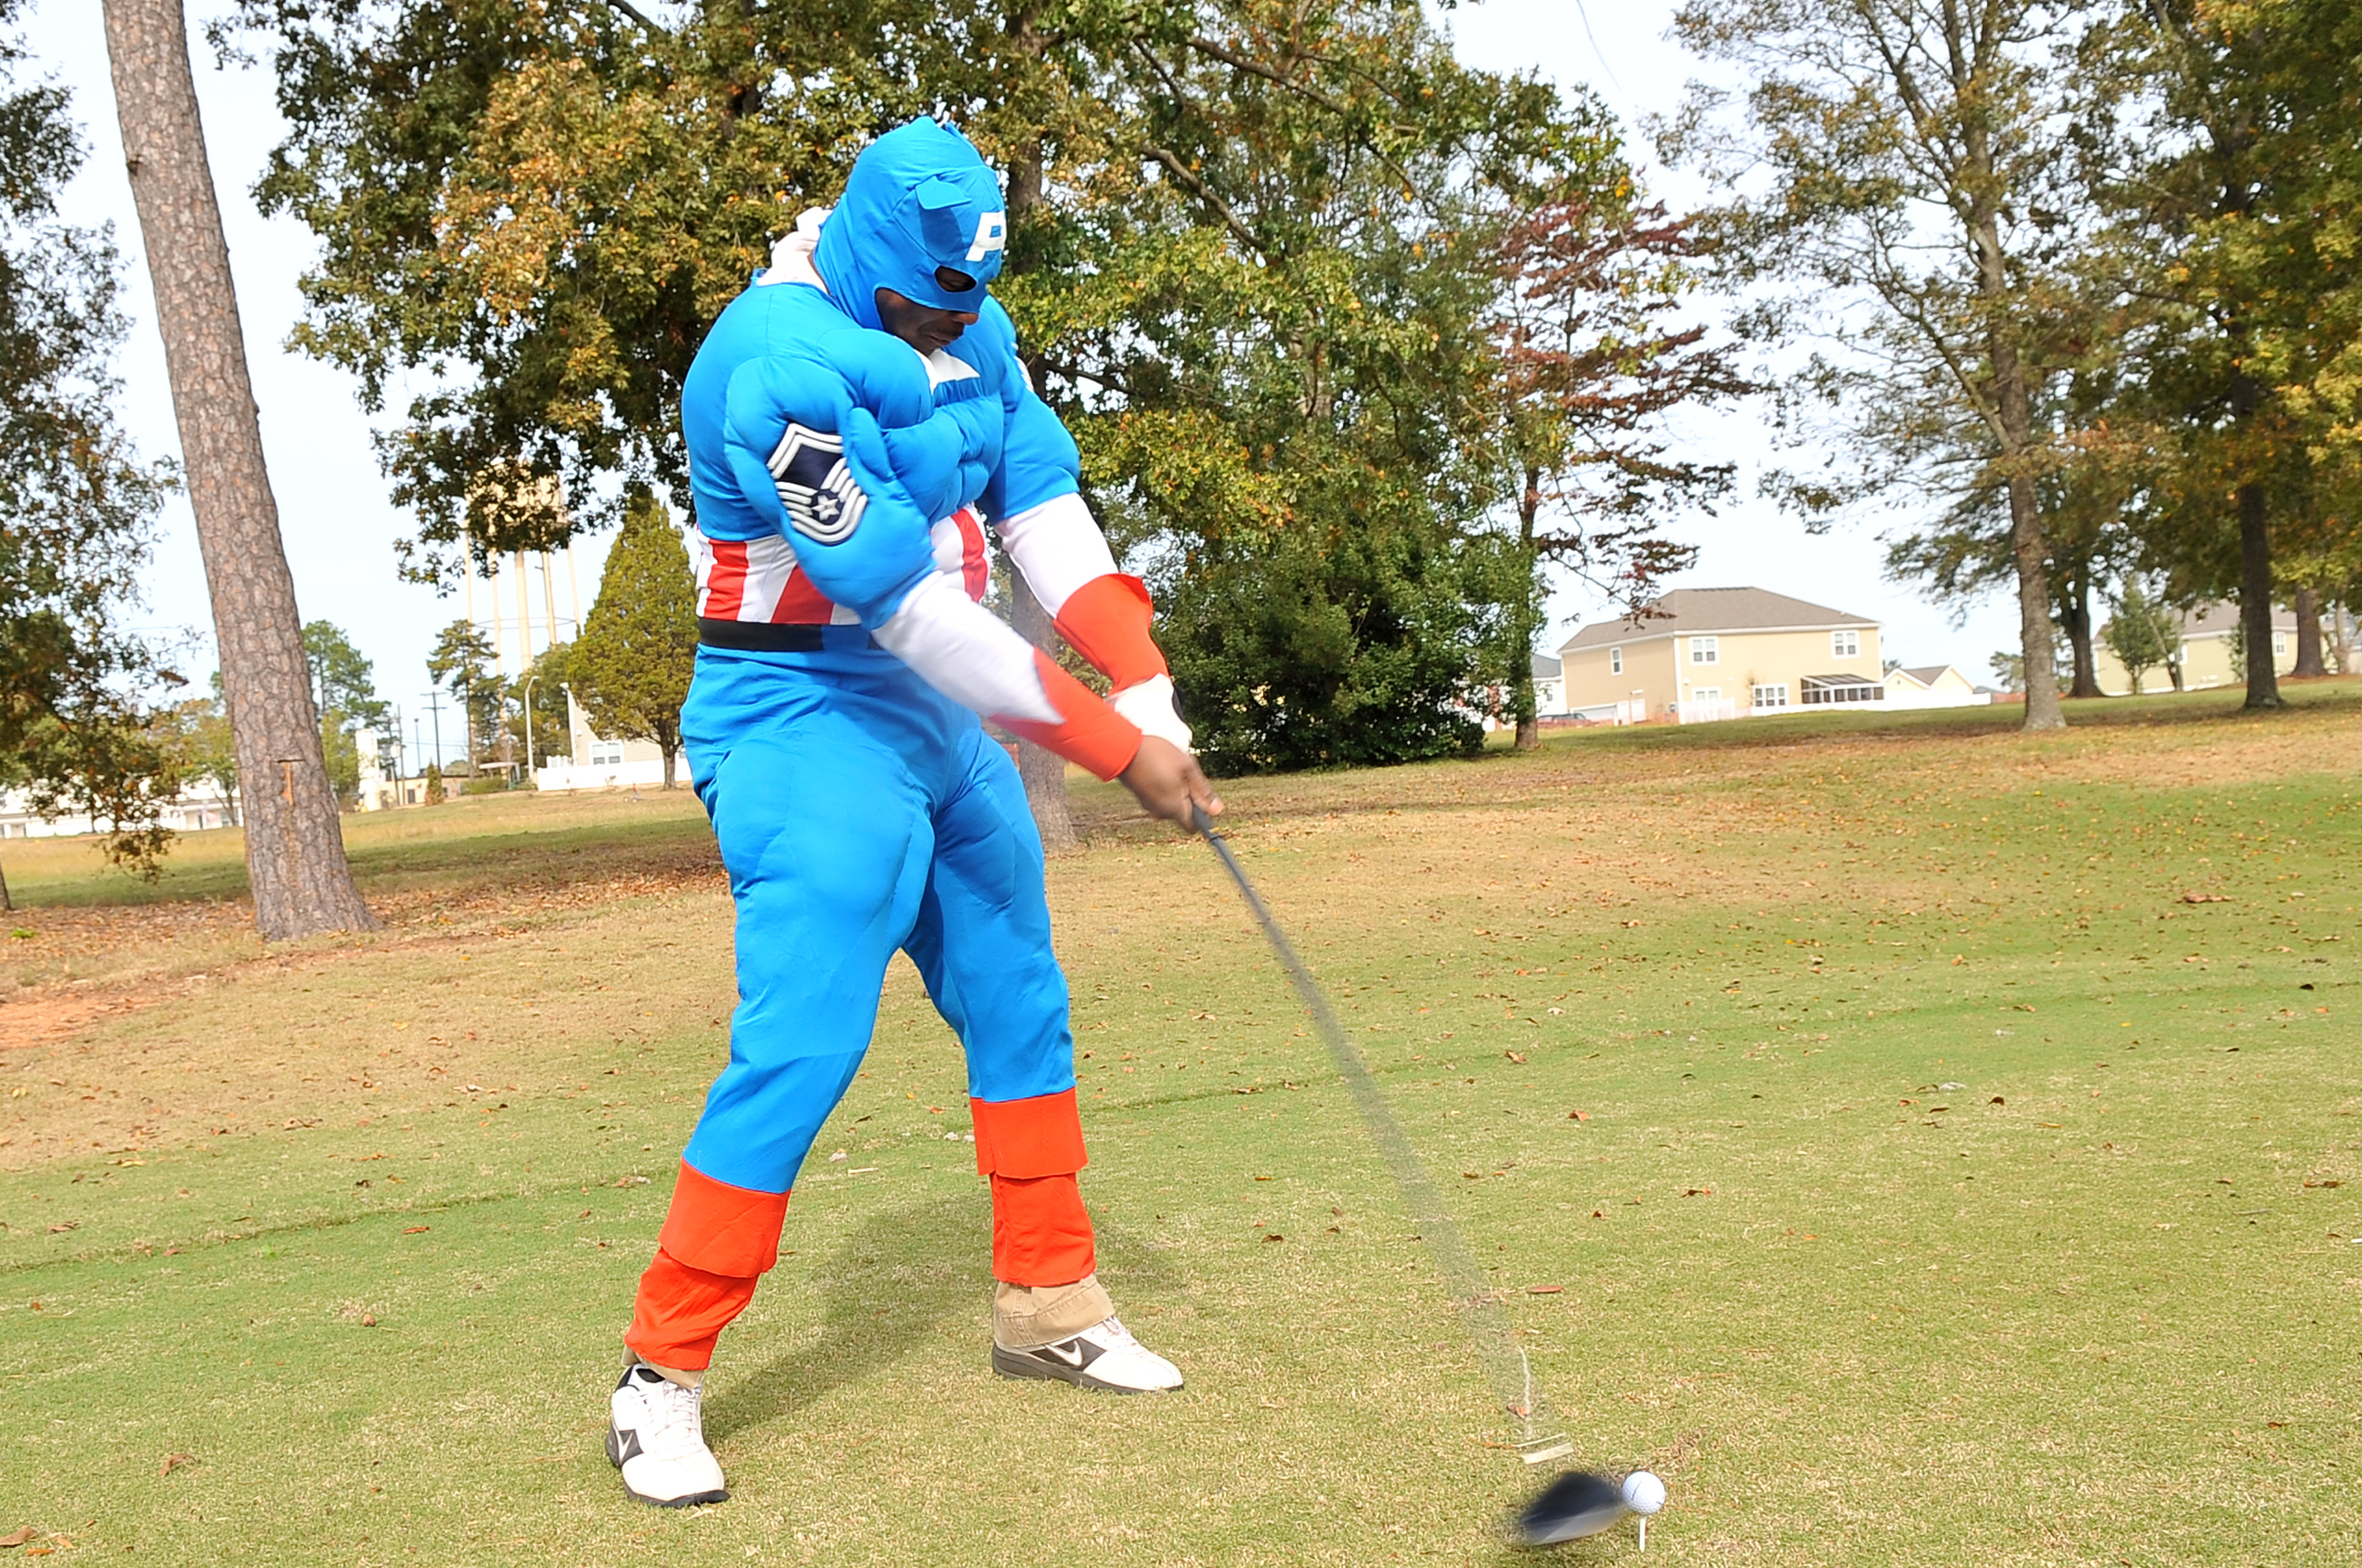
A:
[528, 723]
[435, 706]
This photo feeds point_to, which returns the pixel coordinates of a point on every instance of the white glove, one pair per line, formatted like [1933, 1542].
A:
[1150, 705]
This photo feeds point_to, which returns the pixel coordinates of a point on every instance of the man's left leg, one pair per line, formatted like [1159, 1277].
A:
[982, 942]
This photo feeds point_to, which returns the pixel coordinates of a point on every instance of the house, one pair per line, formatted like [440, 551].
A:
[1550, 695]
[1932, 686]
[591, 763]
[201, 804]
[1721, 652]
[2208, 634]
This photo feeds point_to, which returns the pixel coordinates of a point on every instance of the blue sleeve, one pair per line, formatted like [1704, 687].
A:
[812, 460]
[1038, 458]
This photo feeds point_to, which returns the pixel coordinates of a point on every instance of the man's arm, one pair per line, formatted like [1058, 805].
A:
[812, 461]
[1047, 528]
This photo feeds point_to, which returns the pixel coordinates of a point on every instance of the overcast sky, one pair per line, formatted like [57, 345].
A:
[340, 529]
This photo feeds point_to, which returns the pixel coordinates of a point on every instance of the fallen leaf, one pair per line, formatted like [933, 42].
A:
[20, 1538]
[173, 1461]
[1544, 1289]
[1474, 1176]
[368, 1319]
[69, 1225]
[1262, 1178]
[1699, 1192]
[2204, 899]
[2332, 1183]
[416, 1229]
[1518, 1056]
[1274, 1236]
[1997, 1100]
[1578, 1116]
[1599, 1214]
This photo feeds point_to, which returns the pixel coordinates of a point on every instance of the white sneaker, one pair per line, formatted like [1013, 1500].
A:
[655, 1435]
[1103, 1356]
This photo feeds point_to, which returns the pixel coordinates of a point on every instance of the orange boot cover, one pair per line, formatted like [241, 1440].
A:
[717, 1240]
[1032, 1149]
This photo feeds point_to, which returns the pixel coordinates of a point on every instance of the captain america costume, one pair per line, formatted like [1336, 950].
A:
[844, 479]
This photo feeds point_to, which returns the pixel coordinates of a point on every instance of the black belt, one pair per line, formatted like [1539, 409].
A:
[768, 637]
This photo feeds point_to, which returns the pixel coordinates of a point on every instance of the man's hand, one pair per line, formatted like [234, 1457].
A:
[1167, 782]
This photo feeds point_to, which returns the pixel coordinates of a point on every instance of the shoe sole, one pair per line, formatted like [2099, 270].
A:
[1014, 1364]
[694, 1499]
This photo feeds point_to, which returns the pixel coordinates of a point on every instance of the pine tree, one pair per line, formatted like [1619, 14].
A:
[630, 667]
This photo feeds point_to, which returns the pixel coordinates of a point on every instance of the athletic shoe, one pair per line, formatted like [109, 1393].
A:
[655, 1436]
[1103, 1356]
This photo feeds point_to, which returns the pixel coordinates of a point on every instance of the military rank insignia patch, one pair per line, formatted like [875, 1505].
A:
[822, 500]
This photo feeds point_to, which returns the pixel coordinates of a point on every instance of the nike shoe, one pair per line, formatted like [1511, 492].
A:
[1102, 1356]
[655, 1436]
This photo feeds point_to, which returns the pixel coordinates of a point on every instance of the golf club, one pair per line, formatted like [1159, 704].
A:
[1537, 1439]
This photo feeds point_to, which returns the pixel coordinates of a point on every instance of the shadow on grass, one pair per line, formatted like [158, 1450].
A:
[896, 1277]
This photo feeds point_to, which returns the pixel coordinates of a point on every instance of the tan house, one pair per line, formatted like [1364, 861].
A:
[2207, 633]
[1722, 653]
[1932, 686]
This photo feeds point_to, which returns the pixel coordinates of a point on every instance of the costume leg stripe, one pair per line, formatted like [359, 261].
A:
[722, 1229]
[1029, 1138]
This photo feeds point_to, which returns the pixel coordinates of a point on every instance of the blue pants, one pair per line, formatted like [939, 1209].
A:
[860, 811]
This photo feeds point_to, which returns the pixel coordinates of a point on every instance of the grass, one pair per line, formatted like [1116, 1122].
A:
[1924, 1179]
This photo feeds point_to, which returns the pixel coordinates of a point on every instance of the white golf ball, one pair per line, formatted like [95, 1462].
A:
[1643, 1493]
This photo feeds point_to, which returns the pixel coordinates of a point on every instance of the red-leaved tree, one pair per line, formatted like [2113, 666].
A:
[1598, 352]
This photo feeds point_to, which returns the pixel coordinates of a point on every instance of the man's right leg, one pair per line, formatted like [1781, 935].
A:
[826, 841]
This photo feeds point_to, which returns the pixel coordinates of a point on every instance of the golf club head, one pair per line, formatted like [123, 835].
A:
[1576, 1505]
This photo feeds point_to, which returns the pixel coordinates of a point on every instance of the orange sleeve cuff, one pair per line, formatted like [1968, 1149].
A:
[1029, 1138]
[1107, 621]
[1088, 733]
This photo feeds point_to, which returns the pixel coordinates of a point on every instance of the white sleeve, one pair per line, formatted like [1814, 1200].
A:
[966, 652]
[1058, 547]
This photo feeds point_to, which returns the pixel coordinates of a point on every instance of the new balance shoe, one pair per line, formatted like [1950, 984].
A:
[655, 1436]
[1102, 1356]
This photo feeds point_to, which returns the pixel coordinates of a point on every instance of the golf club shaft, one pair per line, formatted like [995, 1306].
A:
[1489, 1326]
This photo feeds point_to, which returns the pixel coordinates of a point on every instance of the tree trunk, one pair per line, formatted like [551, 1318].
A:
[2255, 597]
[2077, 619]
[5, 901]
[1045, 771]
[294, 847]
[2308, 661]
[669, 742]
[1521, 671]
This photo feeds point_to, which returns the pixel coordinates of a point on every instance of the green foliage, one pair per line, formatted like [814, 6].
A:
[2143, 633]
[76, 507]
[542, 686]
[1252, 249]
[344, 692]
[632, 665]
[463, 663]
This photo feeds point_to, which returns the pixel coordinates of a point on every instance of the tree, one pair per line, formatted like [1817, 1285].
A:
[76, 506]
[632, 663]
[1591, 365]
[2235, 221]
[462, 663]
[1249, 252]
[294, 848]
[344, 691]
[1922, 193]
[539, 700]
[2142, 634]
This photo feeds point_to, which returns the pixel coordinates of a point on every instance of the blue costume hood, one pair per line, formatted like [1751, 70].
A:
[921, 214]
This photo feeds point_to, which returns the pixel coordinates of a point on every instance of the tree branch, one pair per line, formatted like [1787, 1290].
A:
[1198, 189]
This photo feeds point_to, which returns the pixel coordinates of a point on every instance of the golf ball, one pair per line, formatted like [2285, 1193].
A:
[1643, 1493]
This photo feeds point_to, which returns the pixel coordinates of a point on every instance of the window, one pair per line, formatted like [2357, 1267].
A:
[1771, 696]
[1705, 650]
[1615, 661]
[1845, 644]
[2280, 644]
[606, 753]
[1707, 694]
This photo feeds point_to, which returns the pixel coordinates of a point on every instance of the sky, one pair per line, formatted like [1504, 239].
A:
[340, 527]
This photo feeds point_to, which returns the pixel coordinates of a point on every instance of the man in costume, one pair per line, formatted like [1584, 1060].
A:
[854, 420]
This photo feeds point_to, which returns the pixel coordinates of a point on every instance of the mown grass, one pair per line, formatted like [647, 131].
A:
[1926, 1181]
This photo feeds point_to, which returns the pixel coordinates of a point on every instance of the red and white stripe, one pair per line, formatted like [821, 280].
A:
[758, 579]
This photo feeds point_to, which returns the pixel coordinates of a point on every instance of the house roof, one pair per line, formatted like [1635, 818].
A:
[2219, 618]
[1924, 674]
[1825, 681]
[1688, 610]
[1547, 668]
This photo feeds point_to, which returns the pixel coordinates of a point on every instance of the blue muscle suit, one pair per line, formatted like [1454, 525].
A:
[842, 482]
